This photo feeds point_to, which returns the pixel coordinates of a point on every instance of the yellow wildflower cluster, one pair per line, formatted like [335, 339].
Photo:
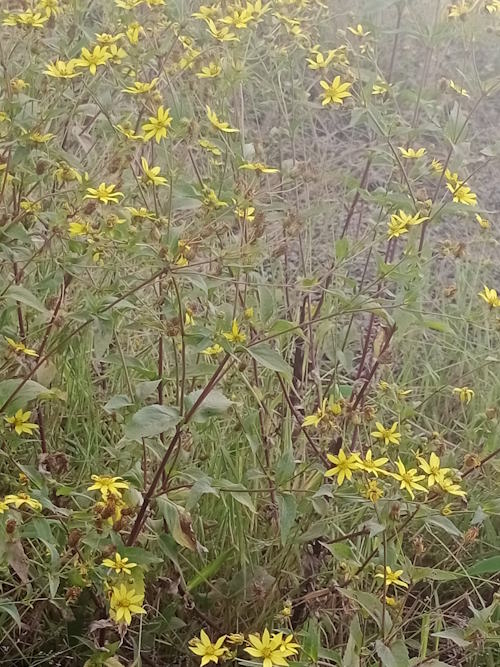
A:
[272, 649]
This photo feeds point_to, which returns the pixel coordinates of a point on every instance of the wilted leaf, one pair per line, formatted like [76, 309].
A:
[18, 560]
[179, 523]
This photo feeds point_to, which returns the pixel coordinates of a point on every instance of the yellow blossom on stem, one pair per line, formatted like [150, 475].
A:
[108, 486]
[259, 168]
[389, 436]
[104, 193]
[124, 602]
[458, 89]
[372, 491]
[206, 650]
[19, 422]
[139, 87]
[411, 153]
[268, 649]
[449, 486]
[119, 565]
[62, 70]
[210, 71]
[483, 222]
[20, 499]
[432, 468]
[223, 126]
[93, 59]
[152, 174]
[374, 466]
[465, 394]
[344, 466]
[408, 479]
[213, 350]
[391, 577]
[235, 335]
[335, 92]
[20, 348]
[158, 125]
[490, 296]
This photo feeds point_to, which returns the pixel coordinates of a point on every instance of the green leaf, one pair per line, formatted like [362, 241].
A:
[455, 635]
[444, 523]
[310, 643]
[237, 491]
[11, 609]
[354, 645]
[150, 421]
[208, 571]
[23, 295]
[430, 573]
[214, 404]
[269, 358]
[394, 656]
[27, 393]
[266, 303]
[116, 403]
[487, 566]
[288, 511]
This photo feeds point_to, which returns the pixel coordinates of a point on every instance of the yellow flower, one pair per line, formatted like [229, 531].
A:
[380, 87]
[19, 422]
[158, 125]
[116, 53]
[108, 485]
[335, 92]
[490, 296]
[464, 394]
[133, 31]
[432, 469]
[211, 199]
[245, 212]
[119, 565]
[319, 61]
[207, 651]
[458, 89]
[288, 647]
[396, 227]
[459, 10]
[65, 174]
[29, 18]
[20, 348]
[372, 491]
[104, 193]
[408, 479]
[128, 4]
[99, 56]
[239, 18]
[40, 138]
[151, 174]
[344, 466]
[387, 435]
[411, 153]
[449, 486]
[374, 466]
[327, 409]
[141, 213]
[209, 146]
[235, 335]
[125, 602]
[392, 578]
[221, 34]
[219, 124]
[462, 193]
[437, 166]
[80, 228]
[212, 350]
[259, 168]
[106, 38]
[358, 31]
[139, 88]
[51, 7]
[212, 70]
[268, 649]
[483, 222]
[20, 499]
[236, 638]
[492, 6]
[129, 132]
[205, 12]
